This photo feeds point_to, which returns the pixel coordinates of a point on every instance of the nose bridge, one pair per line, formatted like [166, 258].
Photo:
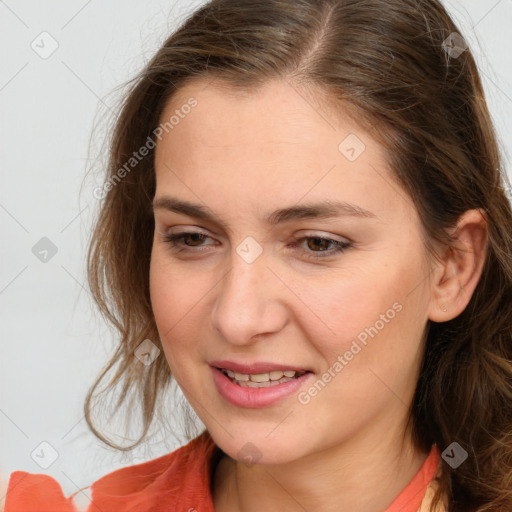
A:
[247, 303]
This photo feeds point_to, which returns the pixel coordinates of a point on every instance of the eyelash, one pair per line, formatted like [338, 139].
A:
[339, 247]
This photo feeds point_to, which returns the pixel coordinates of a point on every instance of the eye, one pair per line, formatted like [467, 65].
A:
[189, 239]
[319, 244]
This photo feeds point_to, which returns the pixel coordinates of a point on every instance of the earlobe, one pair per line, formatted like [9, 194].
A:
[460, 269]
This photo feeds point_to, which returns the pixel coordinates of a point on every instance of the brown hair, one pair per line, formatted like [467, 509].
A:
[386, 59]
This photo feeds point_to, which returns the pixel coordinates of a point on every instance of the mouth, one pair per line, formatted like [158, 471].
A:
[260, 385]
[262, 380]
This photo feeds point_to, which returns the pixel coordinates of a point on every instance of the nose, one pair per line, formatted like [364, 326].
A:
[249, 302]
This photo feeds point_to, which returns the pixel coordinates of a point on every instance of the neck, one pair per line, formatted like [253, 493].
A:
[356, 475]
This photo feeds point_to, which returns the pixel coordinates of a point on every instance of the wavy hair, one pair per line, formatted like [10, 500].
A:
[387, 60]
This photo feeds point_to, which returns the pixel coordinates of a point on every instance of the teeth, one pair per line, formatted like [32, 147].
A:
[267, 384]
[263, 379]
[260, 377]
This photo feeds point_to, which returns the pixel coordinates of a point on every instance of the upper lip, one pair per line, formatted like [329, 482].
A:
[254, 367]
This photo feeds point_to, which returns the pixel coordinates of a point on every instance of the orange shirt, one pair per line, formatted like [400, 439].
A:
[177, 482]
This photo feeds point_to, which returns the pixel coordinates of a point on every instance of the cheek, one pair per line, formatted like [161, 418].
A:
[373, 318]
[168, 299]
[163, 292]
[178, 299]
[172, 290]
[342, 307]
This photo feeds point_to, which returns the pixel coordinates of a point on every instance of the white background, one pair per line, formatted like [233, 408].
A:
[53, 342]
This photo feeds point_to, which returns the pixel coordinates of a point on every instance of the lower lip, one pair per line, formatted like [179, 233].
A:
[255, 398]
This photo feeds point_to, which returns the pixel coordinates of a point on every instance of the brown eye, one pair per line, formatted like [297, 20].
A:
[321, 244]
[195, 239]
[320, 247]
[187, 240]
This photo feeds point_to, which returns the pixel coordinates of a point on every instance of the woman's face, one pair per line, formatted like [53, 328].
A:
[304, 254]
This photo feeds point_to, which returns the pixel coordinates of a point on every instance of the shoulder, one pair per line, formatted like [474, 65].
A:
[28, 492]
[165, 477]
[173, 480]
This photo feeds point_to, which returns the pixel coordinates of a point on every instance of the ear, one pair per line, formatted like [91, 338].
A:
[459, 269]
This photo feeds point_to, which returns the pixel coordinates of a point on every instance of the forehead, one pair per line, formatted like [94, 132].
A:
[242, 144]
[276, 107]
[276, 122]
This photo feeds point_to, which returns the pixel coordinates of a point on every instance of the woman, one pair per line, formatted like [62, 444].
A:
[304, 224]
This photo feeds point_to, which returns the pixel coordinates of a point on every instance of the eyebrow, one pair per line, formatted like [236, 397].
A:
[319, 210]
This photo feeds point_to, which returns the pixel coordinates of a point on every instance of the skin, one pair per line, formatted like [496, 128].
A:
[243, 156]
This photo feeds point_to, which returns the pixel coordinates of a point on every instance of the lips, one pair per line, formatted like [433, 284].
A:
[255, 367]
[253, 395]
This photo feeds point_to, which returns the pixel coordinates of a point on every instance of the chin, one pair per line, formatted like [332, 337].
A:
[257, 447]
